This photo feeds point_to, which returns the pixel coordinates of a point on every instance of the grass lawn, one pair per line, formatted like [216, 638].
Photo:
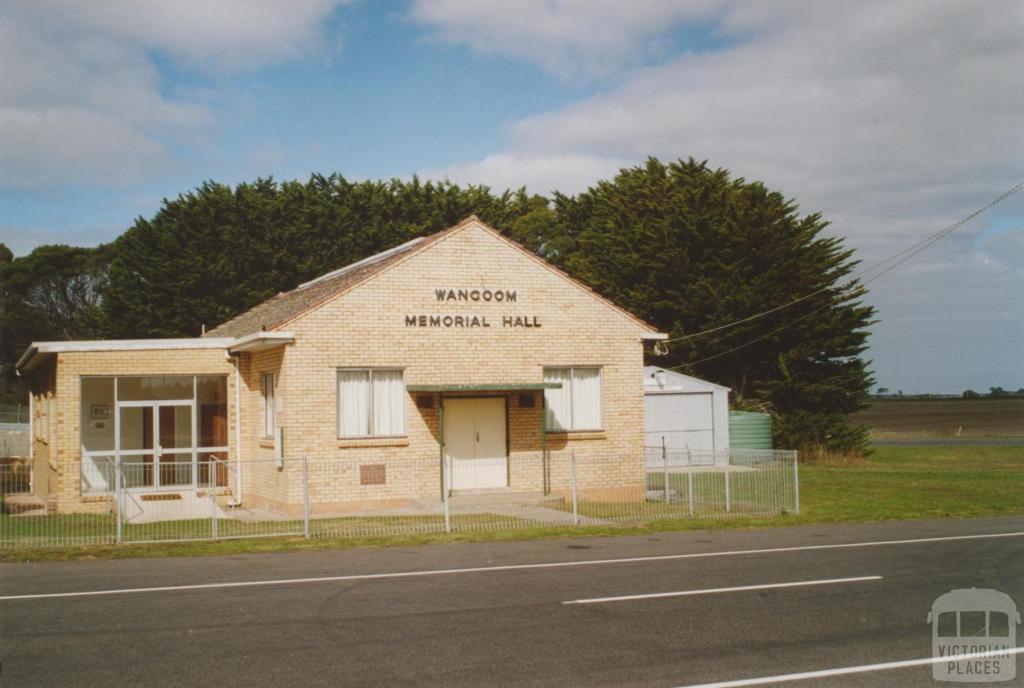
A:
[916, 482]
[894, 483]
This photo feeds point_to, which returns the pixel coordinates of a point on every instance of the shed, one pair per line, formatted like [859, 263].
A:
[686, 411]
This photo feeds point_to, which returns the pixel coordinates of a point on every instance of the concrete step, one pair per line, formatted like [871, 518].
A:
[24, 505]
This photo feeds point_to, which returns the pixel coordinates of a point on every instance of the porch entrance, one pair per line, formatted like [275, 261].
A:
[476, 442]
[157, 440]
[169, 432]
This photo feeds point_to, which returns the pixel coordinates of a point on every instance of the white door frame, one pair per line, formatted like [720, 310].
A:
[157, 451]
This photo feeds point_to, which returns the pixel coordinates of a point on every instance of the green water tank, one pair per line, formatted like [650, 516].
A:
[750, 430]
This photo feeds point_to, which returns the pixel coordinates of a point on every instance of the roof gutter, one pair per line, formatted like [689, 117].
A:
[260, 341]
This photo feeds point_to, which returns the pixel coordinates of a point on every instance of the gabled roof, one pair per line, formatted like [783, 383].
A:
[287, 306]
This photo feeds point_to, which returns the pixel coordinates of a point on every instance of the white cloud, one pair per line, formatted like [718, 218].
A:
[590, 36]
[892, 119]
[81, 99]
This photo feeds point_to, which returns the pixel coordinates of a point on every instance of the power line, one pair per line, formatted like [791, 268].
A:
[752, 341]
[904, 255]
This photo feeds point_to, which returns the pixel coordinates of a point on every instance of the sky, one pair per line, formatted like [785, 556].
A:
[892, 119]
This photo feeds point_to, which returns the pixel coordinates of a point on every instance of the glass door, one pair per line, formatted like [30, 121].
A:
[175, 442]
[136, 445]
[156, 443]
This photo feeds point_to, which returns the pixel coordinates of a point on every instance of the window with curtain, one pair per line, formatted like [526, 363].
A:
[268, 404]
[577, 404]
[371, 402]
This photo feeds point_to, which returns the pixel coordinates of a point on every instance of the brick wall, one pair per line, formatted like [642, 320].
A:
[71, 367]
[367, 327]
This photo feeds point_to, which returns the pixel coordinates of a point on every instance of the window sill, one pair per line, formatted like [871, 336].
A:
[266, 442]
[389, 441]
[579, 434]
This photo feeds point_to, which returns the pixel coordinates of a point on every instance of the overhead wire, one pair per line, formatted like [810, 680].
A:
[904, 255]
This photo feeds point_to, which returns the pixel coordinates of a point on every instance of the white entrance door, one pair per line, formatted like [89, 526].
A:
[474, 436]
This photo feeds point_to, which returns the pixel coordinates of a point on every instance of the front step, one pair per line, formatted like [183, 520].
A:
[24, 505]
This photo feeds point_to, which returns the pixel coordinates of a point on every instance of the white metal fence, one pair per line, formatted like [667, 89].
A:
[358, 498]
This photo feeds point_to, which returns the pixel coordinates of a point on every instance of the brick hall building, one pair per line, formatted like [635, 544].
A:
[460, 349]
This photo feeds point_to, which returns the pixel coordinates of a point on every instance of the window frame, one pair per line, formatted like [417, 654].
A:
[572, 410]
[269, 404]
[370, 370]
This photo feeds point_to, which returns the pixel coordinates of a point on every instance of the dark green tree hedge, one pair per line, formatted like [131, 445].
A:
[214, 252]
[682, 245]
[690, 249]
[53, 293]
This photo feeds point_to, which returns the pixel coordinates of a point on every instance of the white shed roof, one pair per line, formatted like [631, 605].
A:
[659, 379]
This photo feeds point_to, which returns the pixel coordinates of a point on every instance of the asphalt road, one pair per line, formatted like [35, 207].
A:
[430, 622]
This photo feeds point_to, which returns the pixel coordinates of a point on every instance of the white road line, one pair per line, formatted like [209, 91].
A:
[711, 591]
[845, 671]
[508, 567]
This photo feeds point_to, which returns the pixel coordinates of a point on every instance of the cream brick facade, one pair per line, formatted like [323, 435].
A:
[62, 380]
[366, 326]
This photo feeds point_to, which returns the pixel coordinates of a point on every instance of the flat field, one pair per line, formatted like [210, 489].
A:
[904, 419]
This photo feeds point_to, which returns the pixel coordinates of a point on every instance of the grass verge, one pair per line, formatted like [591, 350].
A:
[895, 483]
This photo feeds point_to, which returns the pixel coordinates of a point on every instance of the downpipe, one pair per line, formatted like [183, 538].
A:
[237, 501]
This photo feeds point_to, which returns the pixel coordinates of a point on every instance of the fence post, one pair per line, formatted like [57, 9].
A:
[575, 502]
[728, 496]
[212, 481]
[664, 461]
[444, 481]
[305, 496]
[796, 484]
[689, 480]
[118, 499]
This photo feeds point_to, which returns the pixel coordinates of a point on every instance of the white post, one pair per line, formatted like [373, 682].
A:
[212, 481]
[728, 497]
[575, 502]
[447, 509]
[118, 498]
[796, 484]
[689, 480]
[664, 461]
[305, 496]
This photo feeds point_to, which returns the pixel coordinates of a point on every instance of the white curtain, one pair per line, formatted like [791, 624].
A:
[354, 397]
[388, 403]
[558, 401]
[586, 398]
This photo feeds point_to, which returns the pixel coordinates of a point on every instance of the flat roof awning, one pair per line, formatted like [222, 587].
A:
[489, 387]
